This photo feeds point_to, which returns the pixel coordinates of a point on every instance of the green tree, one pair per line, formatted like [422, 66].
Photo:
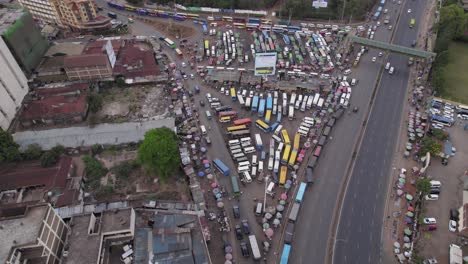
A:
[9, 150]
[94, 172]
[159, 152]
[32, 152]
[430, 145]
[94, 102]
[52, 156]
[423, 185]
[439, 134]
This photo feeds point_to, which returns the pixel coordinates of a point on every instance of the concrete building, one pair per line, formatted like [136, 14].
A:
[77, 15]
[34, 234]
[88, 67]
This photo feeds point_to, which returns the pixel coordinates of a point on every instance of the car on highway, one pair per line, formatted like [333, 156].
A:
[353, 82]
[429, 220]
[245, 226]
[222, 90]
[413, 43]
[202, 103]
[409, 11]
[244, 250]
[239, 234]
[387, 66]
[236, 211]
[390, 27]
[452, 226]
[380, 54]
[184, 64]
[374, 59]
[378, 23]
[251, 93]
[192, 76]
[392, 69]
[208, 140]
[431, 197]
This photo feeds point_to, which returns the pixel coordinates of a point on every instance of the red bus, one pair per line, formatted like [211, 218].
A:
[232, 114]
[243, 121]
[317, 151]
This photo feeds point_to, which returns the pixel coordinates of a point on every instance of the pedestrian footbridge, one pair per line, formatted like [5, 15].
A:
[394, 48]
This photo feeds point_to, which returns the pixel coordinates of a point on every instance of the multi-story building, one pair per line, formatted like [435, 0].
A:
[13, 82]
[34, 234]
[78, 15]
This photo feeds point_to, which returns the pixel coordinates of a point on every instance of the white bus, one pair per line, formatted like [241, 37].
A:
[260, 166]
[247, 177]
[245, 139]
[276, 166]
[270, 163]
[233, 142]
[276, 138]
[291, 112]
[248, 102]
[243, 169]
[254, 171]
[249, 150]
[238, 156]
[240, 99]
[236, 151]
[278, 130]
[245, 163]
[320, 102]
[293, 99]
[316, 98]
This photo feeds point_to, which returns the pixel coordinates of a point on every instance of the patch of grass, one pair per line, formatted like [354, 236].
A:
[455, 73]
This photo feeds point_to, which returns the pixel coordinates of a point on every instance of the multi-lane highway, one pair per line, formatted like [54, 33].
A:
[359, 231]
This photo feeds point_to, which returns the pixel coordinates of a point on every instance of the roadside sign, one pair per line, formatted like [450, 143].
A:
[265, 63]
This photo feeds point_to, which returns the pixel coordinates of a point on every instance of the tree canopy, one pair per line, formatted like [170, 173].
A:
[9, 150]
[423, 185]
[159, 152]
[430, 145]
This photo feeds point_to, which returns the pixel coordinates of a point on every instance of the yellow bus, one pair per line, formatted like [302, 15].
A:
[285, 137]
[236, 128]
[297, 141]
[207, 44]
[283, 172]
[268, 116]
[262, 125]
[225, 119]
[286, 152]
[292, 158]
[233, 94]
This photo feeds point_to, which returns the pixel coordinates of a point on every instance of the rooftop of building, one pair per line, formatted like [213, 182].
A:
[134, 60]
[36, 182]
[8, 17]
[98, 46]
[83, 247]
[65, 48]
[22, 230]
[86, 60]
[56, 102]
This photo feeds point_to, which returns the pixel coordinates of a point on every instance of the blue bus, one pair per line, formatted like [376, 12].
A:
[376, 16]
[285, 254]
[269, 105]
[286, 39]
[218, 164]
[205, 29]
[261, 108]
[274, 126]
[300, 192]
[441, 120]
[142, 12]
[254, 20]
[379, 9]
[382, 3]
[278, 117]
[255, 104]
[265, 34]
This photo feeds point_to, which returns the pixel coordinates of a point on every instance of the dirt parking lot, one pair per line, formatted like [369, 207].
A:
[436, 243]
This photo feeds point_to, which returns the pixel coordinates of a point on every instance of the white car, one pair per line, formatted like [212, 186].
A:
[390, 27]
[183, 64]
[409, 11]
[222, 90]
[431, 197]
[429, 220]
[452, 226]
[192, 76]
[391, 70]
[380, 54]
[374, 59]
[251, 93]
[378, 23]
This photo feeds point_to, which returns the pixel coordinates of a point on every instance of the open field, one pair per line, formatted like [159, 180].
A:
[455, 73]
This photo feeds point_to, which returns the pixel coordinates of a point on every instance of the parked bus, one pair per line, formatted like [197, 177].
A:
[285, 254]
[169, 43]
[297, 141]
[235, 185]
[283, 174]
[268, 116]
[233, 94]
[261, 108]
[292, 158]
[262, 125]
[258, 140]
[232, 114]
[227, 18]
[179, 53]
[255, 249]
[255, 104]
[239, 25]
[239, 133]
[225, 119]
[287, 151]
[300, 192]
[236, 128]
[285, 137]
[218, 164]
[243, 121]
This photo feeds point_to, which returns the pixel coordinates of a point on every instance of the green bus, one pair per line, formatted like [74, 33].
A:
[411, 24]
[235, 185]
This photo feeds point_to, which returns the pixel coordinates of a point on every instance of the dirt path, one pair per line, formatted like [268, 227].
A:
[170, 29]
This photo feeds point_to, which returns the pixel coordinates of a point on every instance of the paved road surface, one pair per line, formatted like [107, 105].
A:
[310, 239]
[359, 233]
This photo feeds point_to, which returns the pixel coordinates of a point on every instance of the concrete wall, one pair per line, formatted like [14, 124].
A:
[13, 86]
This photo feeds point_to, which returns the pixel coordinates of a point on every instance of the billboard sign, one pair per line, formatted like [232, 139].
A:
[320, 3]
[110, 53]
[265, 63]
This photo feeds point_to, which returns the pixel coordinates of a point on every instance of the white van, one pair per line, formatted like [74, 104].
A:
[260, 166]
[254, 171]
[249, 150]
[203, 129]
[247, 177]
[353, 82]
[347, 72]
[392, 69]
[270, 188]
[236, 151]
[254, 160]
[245, 163]
[237, 156]
[270, 163]
[233, 142]
[387, 66]
[436, 184]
